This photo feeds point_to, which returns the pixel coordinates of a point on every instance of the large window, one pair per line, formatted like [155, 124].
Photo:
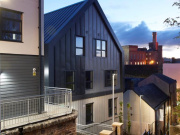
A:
[70, 80]
[110, 106]
[89, 113]
[11, 25]
[89, 79]
[108, 77]
[101, 48]
[80, 46]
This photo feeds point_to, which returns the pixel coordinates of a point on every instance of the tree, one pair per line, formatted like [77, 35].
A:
[174, 21]
[177, 108]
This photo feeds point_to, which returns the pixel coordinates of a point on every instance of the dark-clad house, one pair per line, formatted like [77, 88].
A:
[81, 53]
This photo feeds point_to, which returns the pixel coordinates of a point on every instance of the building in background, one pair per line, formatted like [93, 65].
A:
[21, 48]
[81, 53]
[142, 62]
[143, 56]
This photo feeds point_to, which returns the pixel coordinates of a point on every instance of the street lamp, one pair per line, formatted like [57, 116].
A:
[113, 75]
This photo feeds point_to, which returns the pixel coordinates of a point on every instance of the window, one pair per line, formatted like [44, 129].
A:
[89, 79]
[110, 104]
[89, 113]
[70, 80]
[101, 48]
[134, 56]
[149, 53]
[108, 78]
[11, 25]
[80, 46]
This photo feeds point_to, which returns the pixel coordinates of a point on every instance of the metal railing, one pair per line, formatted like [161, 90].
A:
[17, 112]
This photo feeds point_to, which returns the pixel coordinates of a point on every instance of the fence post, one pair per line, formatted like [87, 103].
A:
[28, 110]
[3, 118]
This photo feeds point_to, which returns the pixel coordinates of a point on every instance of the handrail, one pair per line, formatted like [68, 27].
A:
[20, 111]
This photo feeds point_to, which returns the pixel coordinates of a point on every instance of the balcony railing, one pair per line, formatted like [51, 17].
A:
[17, 112]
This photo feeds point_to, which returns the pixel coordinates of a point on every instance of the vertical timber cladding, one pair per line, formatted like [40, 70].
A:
[17, 78]
[95, 28]
[62, 50]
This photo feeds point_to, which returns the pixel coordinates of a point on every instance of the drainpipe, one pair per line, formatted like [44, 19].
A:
[40, 49]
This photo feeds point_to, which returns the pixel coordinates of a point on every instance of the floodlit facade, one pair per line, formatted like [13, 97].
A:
[21, 48]
[81, 53]
[144, 56]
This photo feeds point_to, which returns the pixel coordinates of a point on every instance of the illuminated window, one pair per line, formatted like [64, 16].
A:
[138, 63]
[126, 62]
[11, 25]
[157, 62]
[131, 63]
[141, 63]
[108, 77]
[146, 58]
[70, 80]
[79, 46]
[101, 48]
[135, 63]
[149, 53]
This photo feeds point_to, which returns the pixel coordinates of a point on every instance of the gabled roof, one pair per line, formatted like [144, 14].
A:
[152, 95]
[58, 21]
[165, 78]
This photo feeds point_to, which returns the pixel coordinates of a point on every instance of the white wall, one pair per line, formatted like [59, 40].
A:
[100, 108]
[30, 31]
[147, 113]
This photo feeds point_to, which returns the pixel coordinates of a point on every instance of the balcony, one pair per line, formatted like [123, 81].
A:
[54, 102]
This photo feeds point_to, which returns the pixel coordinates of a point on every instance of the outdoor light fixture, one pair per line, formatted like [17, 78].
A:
[113, 75]
[151, 62]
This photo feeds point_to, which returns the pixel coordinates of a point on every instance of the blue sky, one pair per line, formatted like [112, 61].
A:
[134, 20]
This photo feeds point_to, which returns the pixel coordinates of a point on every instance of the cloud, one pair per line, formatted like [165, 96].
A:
[141, 34]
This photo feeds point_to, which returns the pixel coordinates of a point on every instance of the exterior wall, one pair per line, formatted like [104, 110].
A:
[147, 113]
[63, 125]
[16, 79]
[100, 108]
[30, 24]
[60, 55]
[172, 70]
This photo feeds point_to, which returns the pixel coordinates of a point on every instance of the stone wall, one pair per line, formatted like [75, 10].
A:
[64, 125]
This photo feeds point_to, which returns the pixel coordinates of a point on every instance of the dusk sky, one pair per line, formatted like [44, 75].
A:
[133, 21]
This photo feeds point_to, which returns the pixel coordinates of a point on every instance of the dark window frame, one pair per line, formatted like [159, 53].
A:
[110, 106]
[91, 82]
[83, 48]
[109, 80]
[10, 19]
[89, 114]
[101, 50]
[67, 83]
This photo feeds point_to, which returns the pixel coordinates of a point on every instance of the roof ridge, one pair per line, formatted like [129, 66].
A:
[64, 7]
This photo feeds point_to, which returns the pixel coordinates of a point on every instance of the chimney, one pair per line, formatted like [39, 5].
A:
[154, 37]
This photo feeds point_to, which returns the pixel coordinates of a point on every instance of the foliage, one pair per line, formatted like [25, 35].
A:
[177, 108]
[174, 21]
[129, 121]
[121, 112]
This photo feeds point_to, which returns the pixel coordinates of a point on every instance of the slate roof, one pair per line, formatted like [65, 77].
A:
[56, 20]
[165, 78]
[152, 95]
